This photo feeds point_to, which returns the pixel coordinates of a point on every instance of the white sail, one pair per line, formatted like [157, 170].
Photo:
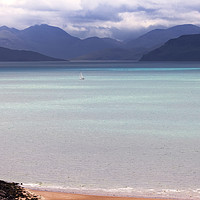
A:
[81, 76]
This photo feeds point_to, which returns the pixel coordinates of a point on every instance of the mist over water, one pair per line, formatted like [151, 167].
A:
[127, 129]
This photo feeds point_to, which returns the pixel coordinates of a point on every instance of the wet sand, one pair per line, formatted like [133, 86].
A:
[63, 196]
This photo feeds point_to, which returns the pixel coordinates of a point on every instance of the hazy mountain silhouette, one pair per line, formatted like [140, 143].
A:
[134, 49]
[9, 38]
[22, 55]
[184, 48]
[55, 42]
[158, 37]
[52, 41]
[114, 54]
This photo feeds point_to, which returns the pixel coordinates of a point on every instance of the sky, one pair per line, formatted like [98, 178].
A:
[119, 19]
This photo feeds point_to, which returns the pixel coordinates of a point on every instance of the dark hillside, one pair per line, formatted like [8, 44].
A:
[21, 55]
[184, 48]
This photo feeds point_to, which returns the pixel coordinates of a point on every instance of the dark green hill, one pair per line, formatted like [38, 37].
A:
[184, 48]
[21, 55]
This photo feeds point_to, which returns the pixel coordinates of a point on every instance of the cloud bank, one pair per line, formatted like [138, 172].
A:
[103, 18]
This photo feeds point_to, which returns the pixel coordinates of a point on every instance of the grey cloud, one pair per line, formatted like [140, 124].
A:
[104, 13]
[91, 31]
[120, 19]
[101, 13]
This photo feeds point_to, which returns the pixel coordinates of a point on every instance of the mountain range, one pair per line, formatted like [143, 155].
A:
[55, 42]
[135, 49]
[52, 41]
[184, 48]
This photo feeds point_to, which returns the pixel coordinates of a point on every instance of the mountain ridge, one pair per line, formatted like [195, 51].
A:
[55, 42]
[23, 55]
[151, 40]
[157, 37]
[184, 48]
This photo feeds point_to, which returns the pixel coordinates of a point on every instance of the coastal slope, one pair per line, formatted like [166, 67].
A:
[184, 48]
[22, 55]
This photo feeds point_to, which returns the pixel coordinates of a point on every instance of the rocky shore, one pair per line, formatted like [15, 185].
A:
[13, 191]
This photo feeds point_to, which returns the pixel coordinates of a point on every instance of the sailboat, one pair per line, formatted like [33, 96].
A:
[81, 77]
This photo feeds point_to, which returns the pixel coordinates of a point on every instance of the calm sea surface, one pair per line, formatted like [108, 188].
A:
[124, 130]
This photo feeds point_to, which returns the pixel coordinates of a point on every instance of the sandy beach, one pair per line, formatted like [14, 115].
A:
[63, 196]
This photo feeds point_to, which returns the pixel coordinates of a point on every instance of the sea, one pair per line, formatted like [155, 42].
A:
[128, 129]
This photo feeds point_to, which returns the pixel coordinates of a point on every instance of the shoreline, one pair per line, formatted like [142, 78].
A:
[14, 190]
[50, 195]
[75, 193]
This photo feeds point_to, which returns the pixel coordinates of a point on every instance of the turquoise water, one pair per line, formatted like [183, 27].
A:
[125, 131]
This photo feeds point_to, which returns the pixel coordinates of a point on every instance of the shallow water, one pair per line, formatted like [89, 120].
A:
[128, 131]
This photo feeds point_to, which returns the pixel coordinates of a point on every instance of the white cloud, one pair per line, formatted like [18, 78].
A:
[43, 4]
[99, 16]
[93, 4]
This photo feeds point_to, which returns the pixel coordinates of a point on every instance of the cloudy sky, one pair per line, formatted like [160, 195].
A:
[104, 18]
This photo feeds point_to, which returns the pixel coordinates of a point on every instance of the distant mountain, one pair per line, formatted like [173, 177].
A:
[52, 41]
[55, 42]
[134, 49]
[184, 48]
[49, 40]
[158, 37]
[114, 54]
[9, 38]
[94, 44]
[21, 55]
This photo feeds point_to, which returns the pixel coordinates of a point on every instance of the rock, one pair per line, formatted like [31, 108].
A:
[12, 191]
